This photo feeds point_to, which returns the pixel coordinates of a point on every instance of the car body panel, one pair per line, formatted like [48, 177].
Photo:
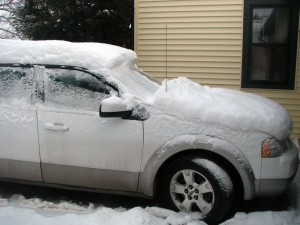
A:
[20, 170]
[89, 142]
[167, 135]
[86, 177]
[285, 165]
[200, 144]
[162, 128]
[19, 137]
[19, 145]
[272, 187]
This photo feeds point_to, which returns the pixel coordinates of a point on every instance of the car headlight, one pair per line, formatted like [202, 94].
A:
[271, 148]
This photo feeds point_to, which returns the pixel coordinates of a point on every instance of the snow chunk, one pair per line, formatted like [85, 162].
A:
[114, 104]
[234, 109]
[93, 56]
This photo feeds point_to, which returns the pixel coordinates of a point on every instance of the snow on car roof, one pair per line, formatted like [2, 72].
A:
[93, 56]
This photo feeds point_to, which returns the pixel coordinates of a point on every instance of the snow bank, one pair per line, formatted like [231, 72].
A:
[235, 109]
[18, 210]
[264, 218]
[94, 56]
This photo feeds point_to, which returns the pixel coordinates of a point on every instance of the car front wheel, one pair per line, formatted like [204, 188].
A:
[193, 184]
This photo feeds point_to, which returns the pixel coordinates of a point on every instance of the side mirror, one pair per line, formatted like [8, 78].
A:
[114, 107]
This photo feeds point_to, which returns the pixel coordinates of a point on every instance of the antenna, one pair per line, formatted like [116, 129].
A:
[166, 57]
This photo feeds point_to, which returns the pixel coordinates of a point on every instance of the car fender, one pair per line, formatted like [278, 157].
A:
[183, 143]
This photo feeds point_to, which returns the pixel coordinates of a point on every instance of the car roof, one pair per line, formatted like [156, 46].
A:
[92, 56]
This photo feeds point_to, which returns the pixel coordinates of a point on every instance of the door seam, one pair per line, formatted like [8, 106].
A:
[37, 127]
[141, 161]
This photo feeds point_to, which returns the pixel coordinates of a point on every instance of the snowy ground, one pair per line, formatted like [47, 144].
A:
[21, 204]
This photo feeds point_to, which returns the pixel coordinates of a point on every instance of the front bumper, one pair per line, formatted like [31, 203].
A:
[277, 173]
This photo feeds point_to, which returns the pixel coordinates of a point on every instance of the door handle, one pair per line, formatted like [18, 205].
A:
[56, 126]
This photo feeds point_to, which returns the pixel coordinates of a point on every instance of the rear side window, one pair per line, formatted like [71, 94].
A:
[73, 89]
[15, 84]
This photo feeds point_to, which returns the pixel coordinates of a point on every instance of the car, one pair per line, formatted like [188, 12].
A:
[83, 115]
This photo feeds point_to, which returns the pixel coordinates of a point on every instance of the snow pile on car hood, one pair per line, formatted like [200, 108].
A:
[235, 109]
[93, 56]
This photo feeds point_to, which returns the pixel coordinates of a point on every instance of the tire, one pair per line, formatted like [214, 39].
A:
[192, 184]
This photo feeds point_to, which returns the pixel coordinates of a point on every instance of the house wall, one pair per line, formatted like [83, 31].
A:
[203, 41]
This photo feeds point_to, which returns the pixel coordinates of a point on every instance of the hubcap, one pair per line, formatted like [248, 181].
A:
[191, 191]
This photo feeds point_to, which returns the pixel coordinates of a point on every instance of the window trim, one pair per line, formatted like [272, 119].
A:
[294, 7]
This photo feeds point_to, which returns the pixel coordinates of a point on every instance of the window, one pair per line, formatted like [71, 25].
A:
[270, 43]
[73, 89]
[15, 84]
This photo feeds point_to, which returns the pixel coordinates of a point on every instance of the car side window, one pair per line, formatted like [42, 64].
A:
[73, 89]
[15, 84]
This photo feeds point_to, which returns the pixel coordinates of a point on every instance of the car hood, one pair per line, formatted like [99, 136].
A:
[234, 109]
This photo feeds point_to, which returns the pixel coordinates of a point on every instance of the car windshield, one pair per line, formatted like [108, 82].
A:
[139, 82]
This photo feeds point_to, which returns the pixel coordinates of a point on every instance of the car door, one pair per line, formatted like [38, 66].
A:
[77, 146]
[19, 148]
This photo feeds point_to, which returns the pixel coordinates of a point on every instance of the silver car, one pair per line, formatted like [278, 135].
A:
[84, 116]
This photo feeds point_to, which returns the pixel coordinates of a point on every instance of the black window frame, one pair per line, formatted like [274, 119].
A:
[294, 7]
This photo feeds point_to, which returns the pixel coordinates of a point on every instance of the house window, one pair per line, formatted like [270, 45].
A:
[270, 44]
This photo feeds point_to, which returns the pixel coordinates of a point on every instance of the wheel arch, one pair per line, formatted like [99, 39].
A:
[202, 153]
[213, 148]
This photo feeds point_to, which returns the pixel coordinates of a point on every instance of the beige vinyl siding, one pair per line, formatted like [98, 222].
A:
[204, 43]
[204, 39]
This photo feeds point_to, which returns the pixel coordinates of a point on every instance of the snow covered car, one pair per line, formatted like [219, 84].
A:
[197, 148]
